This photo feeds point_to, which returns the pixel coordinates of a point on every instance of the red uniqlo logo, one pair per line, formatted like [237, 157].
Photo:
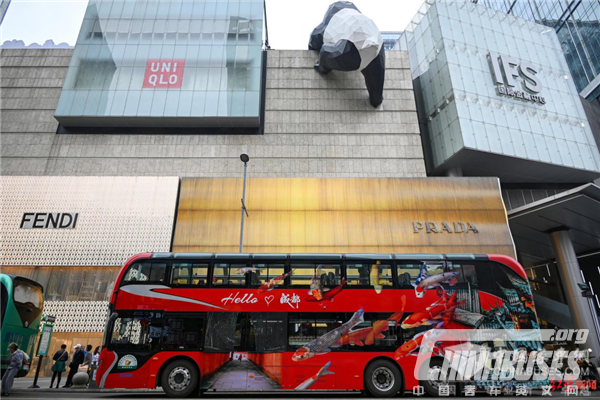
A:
[164, 73]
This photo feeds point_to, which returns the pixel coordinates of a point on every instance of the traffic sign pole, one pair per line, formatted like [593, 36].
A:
[37, 373]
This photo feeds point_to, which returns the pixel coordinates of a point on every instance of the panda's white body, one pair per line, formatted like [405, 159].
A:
[349, 24]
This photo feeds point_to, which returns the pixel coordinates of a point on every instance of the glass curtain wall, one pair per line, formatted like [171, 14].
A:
[577, 24]
[191, 59]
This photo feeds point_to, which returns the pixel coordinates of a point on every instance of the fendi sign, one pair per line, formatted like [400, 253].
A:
[444, 227]
[49, 220]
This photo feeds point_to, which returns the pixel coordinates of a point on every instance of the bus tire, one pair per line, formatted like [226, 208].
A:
[383, 379]
[179, 379]
[432, 387]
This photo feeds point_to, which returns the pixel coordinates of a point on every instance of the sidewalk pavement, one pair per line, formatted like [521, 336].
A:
[23, 384]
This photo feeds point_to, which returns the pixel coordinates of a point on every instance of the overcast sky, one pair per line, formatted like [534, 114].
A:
[290, 21]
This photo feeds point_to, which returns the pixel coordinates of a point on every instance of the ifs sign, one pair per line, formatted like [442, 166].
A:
[163, 73]
[506, 69]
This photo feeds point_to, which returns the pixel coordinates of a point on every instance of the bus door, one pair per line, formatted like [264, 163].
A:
[304, 329]
[265, 344]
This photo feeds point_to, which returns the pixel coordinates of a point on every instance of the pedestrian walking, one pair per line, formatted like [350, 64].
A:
[78, 358]
[59, 364]
[16, 361]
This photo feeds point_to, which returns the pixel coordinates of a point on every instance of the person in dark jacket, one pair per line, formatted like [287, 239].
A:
[60, 360]
[77, 360]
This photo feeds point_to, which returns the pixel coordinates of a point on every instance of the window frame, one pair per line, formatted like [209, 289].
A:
[247, 263]
[191, 262]
[166, 279]
[269, 264]
[110, 329]
[370, 263]
[315, 263]
[400, 262]
[186, 315]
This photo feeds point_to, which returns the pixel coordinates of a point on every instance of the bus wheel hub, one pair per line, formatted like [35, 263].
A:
[179, 378]
[383, 378]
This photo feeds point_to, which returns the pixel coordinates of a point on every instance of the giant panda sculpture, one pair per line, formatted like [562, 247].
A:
[349, 41]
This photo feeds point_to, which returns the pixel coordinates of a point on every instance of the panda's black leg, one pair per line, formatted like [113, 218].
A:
[374, 75]
[340, 56]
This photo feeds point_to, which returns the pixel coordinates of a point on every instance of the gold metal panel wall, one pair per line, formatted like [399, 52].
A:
[341, 215]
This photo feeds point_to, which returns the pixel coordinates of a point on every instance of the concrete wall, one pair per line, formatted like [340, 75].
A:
[314, 126]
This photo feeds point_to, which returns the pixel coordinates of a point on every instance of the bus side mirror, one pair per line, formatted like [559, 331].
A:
[585, 290]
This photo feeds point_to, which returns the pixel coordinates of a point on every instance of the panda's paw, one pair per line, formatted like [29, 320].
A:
[321, 70]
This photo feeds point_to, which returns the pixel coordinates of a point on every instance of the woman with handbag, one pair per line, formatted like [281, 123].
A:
[59, 364]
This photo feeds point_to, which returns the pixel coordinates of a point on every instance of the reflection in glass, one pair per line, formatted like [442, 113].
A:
[220, 42]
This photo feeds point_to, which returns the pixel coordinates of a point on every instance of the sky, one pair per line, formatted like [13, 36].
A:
[290, 21]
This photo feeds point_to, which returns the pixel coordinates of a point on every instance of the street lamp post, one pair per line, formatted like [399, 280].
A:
[245, 158]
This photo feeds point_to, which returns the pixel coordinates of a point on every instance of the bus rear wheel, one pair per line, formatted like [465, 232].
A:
[383, 379]
[436, 378]
[179, 379]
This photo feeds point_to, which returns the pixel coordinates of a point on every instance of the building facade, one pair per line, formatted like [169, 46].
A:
[506, 93]
[155, 166]
[66, 148]
[496, 97]
[314, 126]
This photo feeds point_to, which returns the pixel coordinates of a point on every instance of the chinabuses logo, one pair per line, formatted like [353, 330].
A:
[127, 362]
[516, 359]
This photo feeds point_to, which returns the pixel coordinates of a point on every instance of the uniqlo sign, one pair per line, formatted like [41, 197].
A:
[164, 73]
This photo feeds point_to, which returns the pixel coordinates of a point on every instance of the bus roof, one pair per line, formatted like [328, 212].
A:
[322, 256]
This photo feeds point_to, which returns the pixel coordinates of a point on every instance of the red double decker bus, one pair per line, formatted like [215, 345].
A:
[193, 322]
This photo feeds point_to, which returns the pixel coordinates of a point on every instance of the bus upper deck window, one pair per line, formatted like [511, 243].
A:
[363, 274]
[189, 274]
[146, 273]
[230, 274]
[263, 273]
[407, 273]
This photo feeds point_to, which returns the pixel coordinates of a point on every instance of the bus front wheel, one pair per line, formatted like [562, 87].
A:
[383, 379]
[179, 379]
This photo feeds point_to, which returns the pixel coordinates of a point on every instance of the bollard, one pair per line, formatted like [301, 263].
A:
[80, 380]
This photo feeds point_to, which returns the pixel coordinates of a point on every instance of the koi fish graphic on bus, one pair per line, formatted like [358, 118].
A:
[442, 308]
[424, 281]
[427, 338]
[324, 343]
[245, 270]
[270, 285]
[367, 336]
[376, 278]
[327, 296]
[316, 288]
[313, 379]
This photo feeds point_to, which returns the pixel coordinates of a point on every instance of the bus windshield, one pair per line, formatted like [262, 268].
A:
[28, 299]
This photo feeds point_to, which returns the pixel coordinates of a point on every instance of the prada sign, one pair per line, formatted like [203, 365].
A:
[49, 220]
[505, 69]
[444, 227]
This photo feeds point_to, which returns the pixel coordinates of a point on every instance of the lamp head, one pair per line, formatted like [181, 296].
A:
[244, 157]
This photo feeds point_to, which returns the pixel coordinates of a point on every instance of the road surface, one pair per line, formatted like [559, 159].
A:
[21, 392]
